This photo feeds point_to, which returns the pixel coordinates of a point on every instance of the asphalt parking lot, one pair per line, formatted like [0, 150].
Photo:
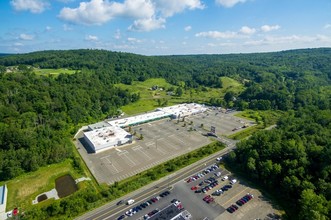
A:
[258, 207]
[224, 123]
[162, 141]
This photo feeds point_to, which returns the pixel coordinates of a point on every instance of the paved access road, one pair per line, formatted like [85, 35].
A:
[112, 211]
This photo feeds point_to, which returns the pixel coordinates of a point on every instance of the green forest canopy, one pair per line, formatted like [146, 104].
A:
[39, 114]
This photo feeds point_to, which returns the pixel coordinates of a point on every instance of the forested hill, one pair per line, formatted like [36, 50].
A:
[278, 80]
[39, 113]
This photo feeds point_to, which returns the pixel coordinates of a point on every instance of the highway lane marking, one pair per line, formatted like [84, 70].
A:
[175, 180]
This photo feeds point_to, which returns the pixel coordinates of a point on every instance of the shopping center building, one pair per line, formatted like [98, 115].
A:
[109, 134]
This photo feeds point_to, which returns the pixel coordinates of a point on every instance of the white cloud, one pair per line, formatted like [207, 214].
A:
[134, 40]
[267, 28]
[147, 15]
[292, 39]
[247, 30]
[229, 3]
[327, 26]
[65, 1]
[18, 44]
[218, 34]
[34, 6]
[117, 35]
[26, 37]
[170, 7]
[244, 32]
[91, 38]
[147, 24]
[227, 44]
[48, 28]
[67, 27]
[187, 28]
[94, 12]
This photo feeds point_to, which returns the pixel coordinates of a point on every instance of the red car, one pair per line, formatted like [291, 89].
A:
[210, 200]
[206, 198]
[194, 188]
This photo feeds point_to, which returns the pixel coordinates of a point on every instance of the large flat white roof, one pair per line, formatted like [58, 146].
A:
[124, 122]
[110, 135]
[184, 109]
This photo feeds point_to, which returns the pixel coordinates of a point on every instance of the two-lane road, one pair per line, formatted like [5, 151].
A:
[111, 210]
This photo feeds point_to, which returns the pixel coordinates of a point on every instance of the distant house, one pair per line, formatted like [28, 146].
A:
[3, 201]
[155, 87]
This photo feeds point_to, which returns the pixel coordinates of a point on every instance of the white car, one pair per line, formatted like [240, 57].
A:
[219, 158]
[225, 178]
[218, 174]
[130, 201]
[233, 181]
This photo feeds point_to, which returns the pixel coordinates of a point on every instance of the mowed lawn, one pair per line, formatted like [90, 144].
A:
[23, 189]
[149, 99]
[54, 72]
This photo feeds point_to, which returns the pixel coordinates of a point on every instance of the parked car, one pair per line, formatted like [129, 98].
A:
[218, 174]
[121, 217]
[225, 178]
[233, 181]
[230, 209]
[219, 158]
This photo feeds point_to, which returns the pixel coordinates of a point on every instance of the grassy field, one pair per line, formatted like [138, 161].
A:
[149, 99]
[262, 118]
[54, 72]
[23, 189]
[229, 84]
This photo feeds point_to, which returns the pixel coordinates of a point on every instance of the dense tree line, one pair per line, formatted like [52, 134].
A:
[293, 162]
[45, 108]
[38, 114]
[280, 80]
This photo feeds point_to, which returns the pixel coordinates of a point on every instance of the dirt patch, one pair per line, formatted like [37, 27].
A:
[42, 198]
[65, 185]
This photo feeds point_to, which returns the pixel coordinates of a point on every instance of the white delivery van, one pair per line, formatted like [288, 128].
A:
[130, 201]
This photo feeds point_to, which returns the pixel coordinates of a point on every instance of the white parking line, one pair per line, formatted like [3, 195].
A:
[112, 165]
[101, 158]
[160, 150]
[127, 159]
[166, 143]
[141, 150]
[179, 139]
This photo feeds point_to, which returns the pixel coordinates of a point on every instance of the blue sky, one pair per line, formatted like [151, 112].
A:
[165, 27]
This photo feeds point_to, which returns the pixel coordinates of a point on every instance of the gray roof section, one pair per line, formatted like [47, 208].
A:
[167, 213]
